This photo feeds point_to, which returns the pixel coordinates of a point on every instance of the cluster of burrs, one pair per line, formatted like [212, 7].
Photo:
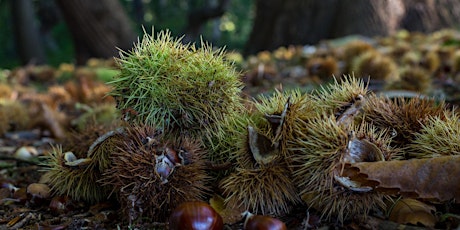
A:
[296, 147]
[184, 120]
[173, 98]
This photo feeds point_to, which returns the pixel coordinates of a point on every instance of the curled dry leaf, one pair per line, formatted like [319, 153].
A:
[433, 178]
[411, 211]
[53, 120]
[229, 215]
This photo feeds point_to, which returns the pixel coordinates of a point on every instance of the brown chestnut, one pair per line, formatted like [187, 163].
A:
[259, 222]
[61, 205]
[195, 215]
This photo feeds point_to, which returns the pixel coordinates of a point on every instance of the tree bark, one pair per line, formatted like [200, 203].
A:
[368, 18]
[430, 15]
[28, 40]
[292, 22]
[138, 11]
[286, 22]
[97, 27]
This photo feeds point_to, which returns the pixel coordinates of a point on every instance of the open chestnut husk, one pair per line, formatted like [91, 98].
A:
[195, 215]
[260, 222]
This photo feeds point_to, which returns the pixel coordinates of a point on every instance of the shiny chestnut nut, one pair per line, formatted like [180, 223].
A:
[259, 222]
[61, 205]
[195, 215]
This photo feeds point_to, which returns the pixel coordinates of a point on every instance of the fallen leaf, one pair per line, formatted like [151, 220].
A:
[411, 211]
[433, 178]
[217, 203]
[229, 216]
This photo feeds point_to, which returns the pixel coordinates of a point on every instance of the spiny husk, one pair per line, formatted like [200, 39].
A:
[242, 154]
[352, 50]
[105, 114]
[5, 91]
[375, 65]
[140, 189]
[266, 186]
[14, 115]
[410, 59]
[78, 182]
[430, 61]
[413, 79]
[101, 150]
[323, 68]
[267, 190]
[337, 97]
[439, 136]
[456, 62]
[176, 87]
[223, 149]
[79, 141]
[319, 150]
[397, 49]
[298, 106]
[403, 117]
[96, 143]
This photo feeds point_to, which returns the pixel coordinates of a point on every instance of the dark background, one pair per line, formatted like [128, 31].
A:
[52, 32]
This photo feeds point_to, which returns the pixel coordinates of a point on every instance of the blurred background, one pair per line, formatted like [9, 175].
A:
[73, 31]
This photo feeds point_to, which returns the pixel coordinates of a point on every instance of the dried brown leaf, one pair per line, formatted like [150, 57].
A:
[53, 120]
[229, 215]
[411, 211]
[433, 178]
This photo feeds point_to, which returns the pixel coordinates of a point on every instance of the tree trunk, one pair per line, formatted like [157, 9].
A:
[197, 18]
[285, 22]
[28, 40]
[97, 27]
[368, 18]
[430, 15]
[138, 11]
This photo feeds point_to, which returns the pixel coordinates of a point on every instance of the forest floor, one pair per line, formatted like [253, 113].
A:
[58, 98]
